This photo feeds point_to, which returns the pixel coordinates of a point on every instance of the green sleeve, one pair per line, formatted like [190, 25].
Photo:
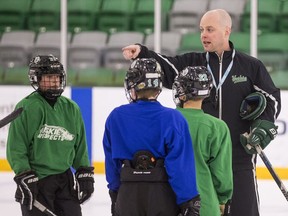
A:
[221, 165]
[18, 144]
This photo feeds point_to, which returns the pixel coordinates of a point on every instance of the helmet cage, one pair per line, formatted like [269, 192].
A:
[46, 65]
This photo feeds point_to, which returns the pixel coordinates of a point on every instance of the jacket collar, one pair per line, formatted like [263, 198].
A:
[226, 55]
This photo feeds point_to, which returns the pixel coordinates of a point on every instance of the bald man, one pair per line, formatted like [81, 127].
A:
[235, 75]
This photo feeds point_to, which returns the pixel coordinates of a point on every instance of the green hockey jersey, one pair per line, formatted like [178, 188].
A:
[213, 158]
[46, 139]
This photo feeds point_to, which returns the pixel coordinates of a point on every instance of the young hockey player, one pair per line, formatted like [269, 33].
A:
[211, 140]
[235, 76]
[149, 158]
[45, 141]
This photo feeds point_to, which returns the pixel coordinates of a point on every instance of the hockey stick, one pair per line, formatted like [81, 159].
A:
[43, 208]
[271, 170]
[9, 118]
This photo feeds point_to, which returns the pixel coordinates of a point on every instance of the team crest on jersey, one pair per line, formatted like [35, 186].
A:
[238, 79]
[55, 133]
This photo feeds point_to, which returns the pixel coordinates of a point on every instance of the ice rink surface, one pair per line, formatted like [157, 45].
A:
[272, 201]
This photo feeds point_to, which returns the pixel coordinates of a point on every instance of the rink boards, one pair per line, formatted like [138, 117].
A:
[97, 102]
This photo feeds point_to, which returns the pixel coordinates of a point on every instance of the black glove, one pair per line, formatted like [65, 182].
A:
[85, 186]
[27, 189]
[113, 196]
[191, 207]
[262, 132]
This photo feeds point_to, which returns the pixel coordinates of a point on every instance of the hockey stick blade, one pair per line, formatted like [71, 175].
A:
[271, 170]
[9, 118]
[43, 208]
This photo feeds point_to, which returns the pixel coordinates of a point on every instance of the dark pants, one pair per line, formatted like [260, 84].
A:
[55, 192]
[245, 199]
[147, 194]
[146, 199]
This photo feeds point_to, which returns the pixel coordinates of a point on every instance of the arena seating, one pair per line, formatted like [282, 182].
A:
[143, 16]
[13, 14]
[241, 41]
[48, 43]
[115, 15]
[98, 29]
[83, 15]
[170, 42]
[273, 51]
[235, 10]
[85, 50]
[44, 15]
[112, 53]
[185, 15]
[15, 47]
[190, 42]
[268, 12]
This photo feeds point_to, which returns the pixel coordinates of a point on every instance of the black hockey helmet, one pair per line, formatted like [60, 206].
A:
[45, 65]
[143, 73]
[253, 106]
[191, 83]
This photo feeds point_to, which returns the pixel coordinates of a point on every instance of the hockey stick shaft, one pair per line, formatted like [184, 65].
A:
[272, 172]
[43, 208]
[9, 118]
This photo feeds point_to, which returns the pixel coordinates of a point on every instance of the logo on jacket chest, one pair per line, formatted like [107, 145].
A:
[238, 79]
[55, 133]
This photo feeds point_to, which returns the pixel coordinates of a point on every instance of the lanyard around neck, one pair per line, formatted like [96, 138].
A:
[221, 80]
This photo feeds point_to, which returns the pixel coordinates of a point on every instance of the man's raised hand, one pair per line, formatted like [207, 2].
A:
[131, 51]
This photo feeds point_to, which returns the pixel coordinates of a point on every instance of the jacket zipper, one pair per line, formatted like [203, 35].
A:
[219, 97]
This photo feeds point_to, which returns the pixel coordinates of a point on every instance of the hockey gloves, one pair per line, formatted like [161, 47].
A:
[262, 132]
[113, 196]
[191, 207]
[26, 188]
[85, 183]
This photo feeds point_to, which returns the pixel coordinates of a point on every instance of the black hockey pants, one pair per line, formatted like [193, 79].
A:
[55, 192]
[145, 193]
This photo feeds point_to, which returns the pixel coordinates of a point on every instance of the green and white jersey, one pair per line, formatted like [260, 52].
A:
[47, 139]
[213, 157]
